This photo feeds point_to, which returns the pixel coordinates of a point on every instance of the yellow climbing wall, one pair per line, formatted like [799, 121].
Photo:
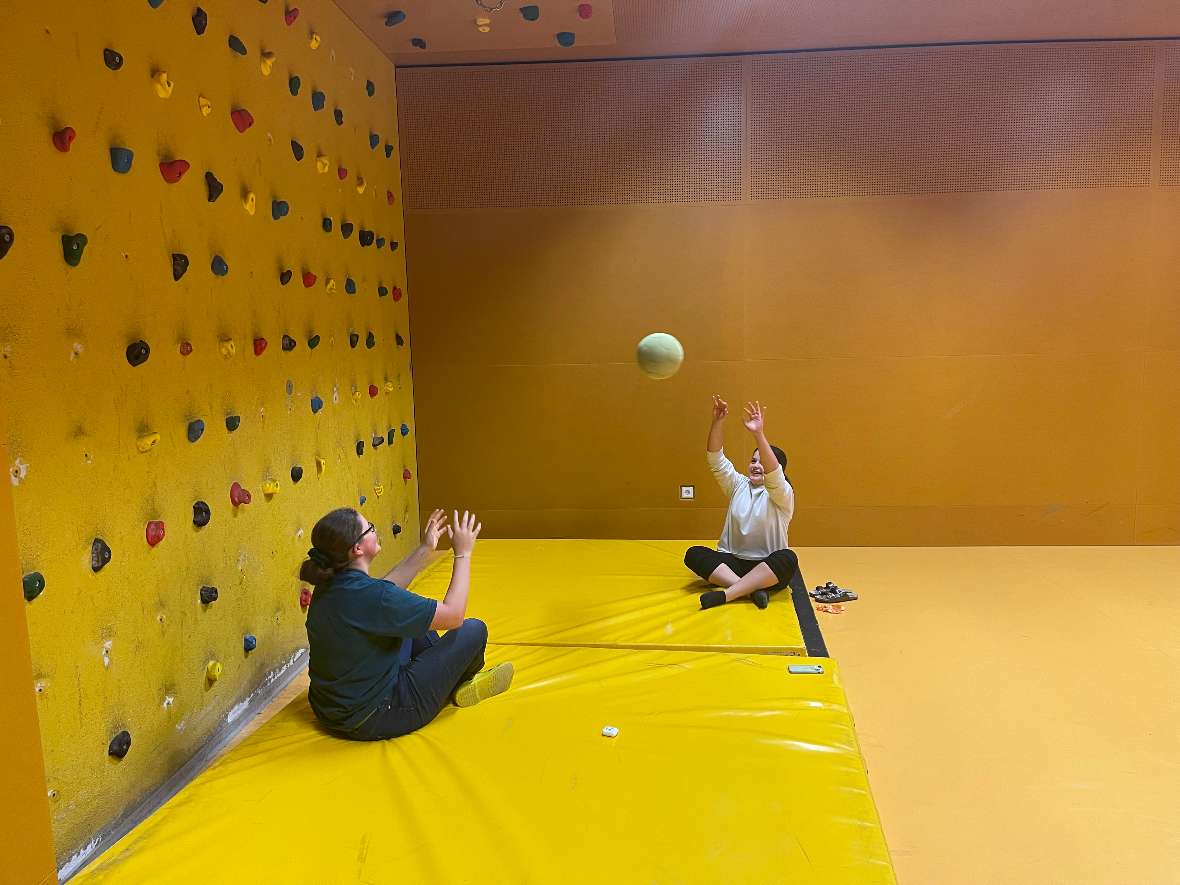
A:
[127, 648]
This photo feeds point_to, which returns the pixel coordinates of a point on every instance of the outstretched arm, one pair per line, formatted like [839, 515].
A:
[776, 485]
[720, 466]
[405, 571]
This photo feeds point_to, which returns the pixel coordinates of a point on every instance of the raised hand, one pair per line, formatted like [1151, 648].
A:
[755, 414]
[720, 408]
[463, 533]
[436, 527]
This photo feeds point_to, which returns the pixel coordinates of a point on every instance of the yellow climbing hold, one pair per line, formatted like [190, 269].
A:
[360, 185]
[378, 490]
[227, 347]
[213, 671]
[321, 465]
[389, 388]
[322, 164]
[330, 285]
[270, 487]
[357, 395]
[314, 40]
[147, 442]
[205, 105]
[267, 63]
[162, 83]
[249, 202]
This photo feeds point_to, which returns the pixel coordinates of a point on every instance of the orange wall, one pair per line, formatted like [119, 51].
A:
[949, 276]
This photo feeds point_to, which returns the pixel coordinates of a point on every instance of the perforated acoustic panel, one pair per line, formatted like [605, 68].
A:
[1170, 120]
[983, 118]
[544, 135]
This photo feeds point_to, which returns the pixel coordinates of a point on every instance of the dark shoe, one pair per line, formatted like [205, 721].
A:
[761, 598]
[711, 598]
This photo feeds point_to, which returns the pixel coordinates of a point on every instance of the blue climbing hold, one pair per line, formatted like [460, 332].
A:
[530, 13]
[236, 44]
[317, 100]
[339, 116]
[121, 159]
[249, 642]
[370, 89]
[418, 43]
[366, 237]
[370, 341]
[405, 430]
[326, 224]
[393, 244]
[296, 149]
[382, 291]
[395, 18]
[279, 209]
[196, 429]
[293, 84]
[566, 38]
[380, 242]
[155, 4]
[233, 422]
[374, 140]
[200, 21]
[219, 266]
[350, 285]
[362, 500]
[313, 342]
[316, 404]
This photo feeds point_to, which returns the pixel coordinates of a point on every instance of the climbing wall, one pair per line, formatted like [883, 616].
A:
[202, 350]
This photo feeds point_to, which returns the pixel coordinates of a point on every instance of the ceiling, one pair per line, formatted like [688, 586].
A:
[636, 28]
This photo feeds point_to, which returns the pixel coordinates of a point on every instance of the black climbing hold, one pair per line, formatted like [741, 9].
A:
[34, 583]
[370, 89]
[296, 149]
[391, 436]
[200, 20]
[236, 44]
[313, 342]
[339, 116]
[397, 529]
[401, 342]
[208, 595]
[288, 343]
[370, 341]
[293, 84]
[201, 514]
[179, 265]
[380, 242]
[218, 266]
[100, 554]
[138, 352]
[215, 187]
[72, 246]
[119, 745]
[317, 100]
[350, 285]
[326, 224]
[196, 429]
[233, 422]
[296, 473]
[366, 237]
[346, 228]
[284, 277]
[382, 291]
[7, 238]
[378, 440]
[395, 18]
[360, 447]
[112, 59]
[353, 339]
[374, 140]
[417, 42]
[393, 244]
[388, 150]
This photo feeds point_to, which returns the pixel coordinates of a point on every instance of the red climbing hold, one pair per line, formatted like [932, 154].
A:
[406, 475]
[259, 346]
[63, 138]
[397, 294]
[373, 390]
[304, 597]
[186, 348]
[155, 532]
[342, 173]
[290, 15]
[174, 170]
[242, 118]
[585, 11]
[238, 495]
[389, 197]
[308, 279]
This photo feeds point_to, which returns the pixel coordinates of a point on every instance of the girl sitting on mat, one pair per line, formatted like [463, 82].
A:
[751, 558]
[377, 668]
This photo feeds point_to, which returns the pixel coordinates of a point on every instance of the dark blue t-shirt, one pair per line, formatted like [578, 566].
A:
[355, 629]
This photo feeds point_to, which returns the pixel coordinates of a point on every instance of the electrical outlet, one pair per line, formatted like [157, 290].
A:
[687, 493]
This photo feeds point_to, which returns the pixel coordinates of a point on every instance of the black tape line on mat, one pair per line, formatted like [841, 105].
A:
[813, 637]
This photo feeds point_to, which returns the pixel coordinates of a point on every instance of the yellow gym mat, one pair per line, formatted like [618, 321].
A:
[621, 594]
[726, 768]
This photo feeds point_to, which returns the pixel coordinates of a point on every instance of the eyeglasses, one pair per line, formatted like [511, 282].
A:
[361, 536]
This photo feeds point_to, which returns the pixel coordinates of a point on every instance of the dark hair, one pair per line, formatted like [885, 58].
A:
[782, 460]
[331, 545]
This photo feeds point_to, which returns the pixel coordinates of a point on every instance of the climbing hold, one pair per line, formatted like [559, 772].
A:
[72, 246]
[279, 209]
[406, 475]
[201, 514]
[186, 348]
[293, 83]
[530, 13]
[317, 100]
[196, 429]
[405, 428]
[259, 346]
[313, 342]
[270, 487]
[63, 138]
[314, 40]
[205, 106]
[296, 149]
[213, 671]
[357, 395]
[360, 185]
[373, 391]
[346, 229]
[296, 473]
[370, 341]
[326, 224]
[389, 197]
[418, 43]
[238, 495]
[338, 115]
[250, 202]
[401, 342]
[242, 119]
[236, 44]
[565, 38]
[179, 265]
[370, 89]
[316, 404]
[121, 158]
[249, 642]
[382, 291]
[341, 173]
[396, 529]
[380, 242]
[227, 347]
[330, 285]
[388, 150]
[395, 18]
[288, 343]
[350, 285]
[360, 447]
[154, 532]
[219, 266]
[397, 294]
[208, 595]
[233, 422]
[100, 554]
[120, 744]
[378, 441]
[291, 14]
[267, 63]
[214, 186]
[389, 387]
[147, 442]
[308, 279]
[585, 10]
[353, 339]
[112, 59]
[155, 4]
[200, 21]
[393, 244]
[138, 352]
[366, 237]
[162, 84]
[322, 164]
[285, 277]
[321, 465]
[304, 597]
[391, 436]
[363, 499]
[290, 387]
[173, 170]
[34, 584]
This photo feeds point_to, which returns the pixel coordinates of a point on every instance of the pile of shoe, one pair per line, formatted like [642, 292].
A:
[830, 593]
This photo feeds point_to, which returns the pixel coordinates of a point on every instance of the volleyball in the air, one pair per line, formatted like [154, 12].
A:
[659, 355]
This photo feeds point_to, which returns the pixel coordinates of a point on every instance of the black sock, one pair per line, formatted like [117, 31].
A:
[711, 598]
[761, 598]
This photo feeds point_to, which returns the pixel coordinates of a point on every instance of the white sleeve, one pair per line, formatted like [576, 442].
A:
[780, 491]
[723, 471]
